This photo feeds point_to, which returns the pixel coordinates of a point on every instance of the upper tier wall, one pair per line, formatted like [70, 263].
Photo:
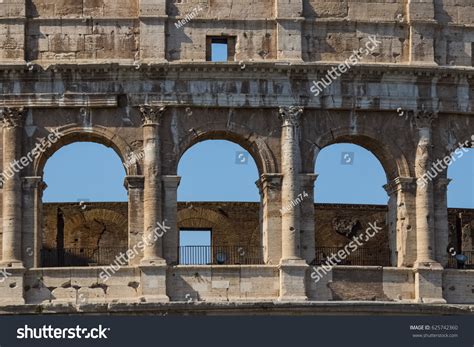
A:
[433, 32]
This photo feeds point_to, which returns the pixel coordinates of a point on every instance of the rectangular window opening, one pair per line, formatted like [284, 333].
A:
[195, 247]
[220, 48]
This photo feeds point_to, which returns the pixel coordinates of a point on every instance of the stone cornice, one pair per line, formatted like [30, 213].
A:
[265, 67]
[73, 100]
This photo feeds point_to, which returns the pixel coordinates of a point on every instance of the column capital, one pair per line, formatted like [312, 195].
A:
[291, 115]
[308, 179]
[269, 181]
[134, 182]
[171, 181]
[12, 117]
[424, 118]
[151, 115]
[401, 184]
[33, 182]
[442, 183]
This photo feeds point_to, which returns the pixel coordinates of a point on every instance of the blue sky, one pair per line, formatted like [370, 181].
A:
[222, 171]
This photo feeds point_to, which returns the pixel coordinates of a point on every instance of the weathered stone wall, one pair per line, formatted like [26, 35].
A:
[232, 224]
[363, 284]
[228, 283]
[74, 30]
[458, 286]
[86, 225]
[429, 32]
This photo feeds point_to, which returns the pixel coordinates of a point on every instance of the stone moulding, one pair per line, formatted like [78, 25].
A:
[55, 100]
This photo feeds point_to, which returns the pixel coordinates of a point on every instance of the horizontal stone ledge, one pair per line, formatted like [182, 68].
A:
[277, 66]
[243, 308]
[62, 101]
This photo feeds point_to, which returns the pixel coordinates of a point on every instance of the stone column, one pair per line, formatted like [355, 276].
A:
[13, 119]
[152, 266]
[153, 251]
[292, 267]
[290, 167]
[32, 216]
[270, 219]
[424, 191]
[308, 247]
[401, 221]
[134, 186]
[428, 272]
[170, 212]
[441, 225]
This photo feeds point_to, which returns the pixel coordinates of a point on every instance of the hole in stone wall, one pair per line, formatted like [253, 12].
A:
[220, 48]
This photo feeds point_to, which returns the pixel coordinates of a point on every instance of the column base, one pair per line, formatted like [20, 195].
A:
[429, 283]
[293, 280]
[11, 286]
[15, 264]
[153, 282]
[153, 262]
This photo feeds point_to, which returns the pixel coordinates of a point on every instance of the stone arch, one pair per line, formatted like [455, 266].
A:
[388, 153]
[255, 145]
[96, 134]
[105, 217]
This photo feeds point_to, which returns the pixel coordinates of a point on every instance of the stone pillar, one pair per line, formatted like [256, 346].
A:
[424, 192]
[421, 18]
[428, 272]
[290, 165]
[152, 266]
[170, 214]
[153, 252]
[13, 119]
[153, 18]
[292, 267]
[32, 216]
[308, 247]
[402, 220]
[441, 225]
[289, 19]
[134, 186]
[270, 204]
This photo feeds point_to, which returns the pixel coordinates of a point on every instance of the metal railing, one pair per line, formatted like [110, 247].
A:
[80, 256]
[362, 256]
[469, 264]
[219, 255]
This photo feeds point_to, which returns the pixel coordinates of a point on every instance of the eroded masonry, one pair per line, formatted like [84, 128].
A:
[139, 76]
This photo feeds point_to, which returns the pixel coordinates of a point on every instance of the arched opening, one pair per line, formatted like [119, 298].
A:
[351, 204]
[461, 209]
[85, 207]
[218, 209]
